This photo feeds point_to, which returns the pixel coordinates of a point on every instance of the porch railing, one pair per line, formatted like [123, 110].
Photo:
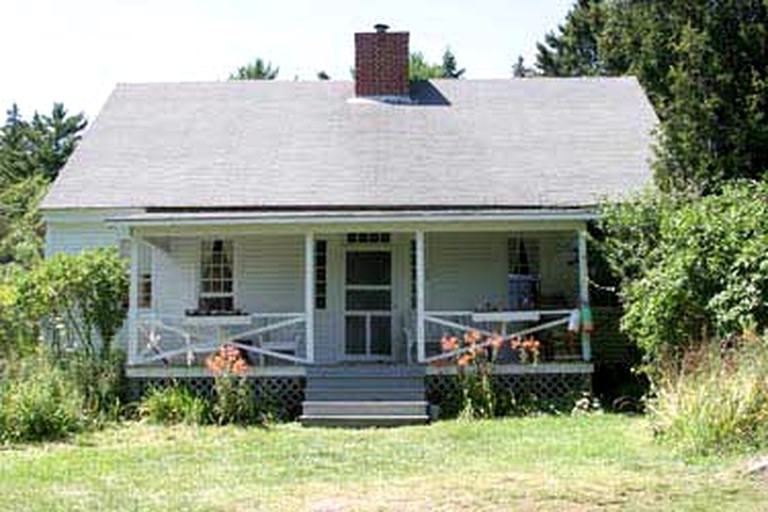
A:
[181, 340]
[509, 325]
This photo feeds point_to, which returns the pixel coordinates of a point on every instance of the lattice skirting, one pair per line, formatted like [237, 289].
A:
[514, 393]
[282, 395]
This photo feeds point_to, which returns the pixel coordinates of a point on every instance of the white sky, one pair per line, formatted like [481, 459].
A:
[75, 51]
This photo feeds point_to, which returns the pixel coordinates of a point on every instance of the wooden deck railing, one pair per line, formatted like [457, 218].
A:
[174, 340]
[507, 324]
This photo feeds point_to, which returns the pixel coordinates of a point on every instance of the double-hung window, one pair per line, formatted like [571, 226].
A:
[216, 276]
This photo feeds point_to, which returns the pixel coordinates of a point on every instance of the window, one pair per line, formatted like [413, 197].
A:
[145, 277]
[523, 256]
[216, 276]
[368, 238]
[321, 274]
[522, 272]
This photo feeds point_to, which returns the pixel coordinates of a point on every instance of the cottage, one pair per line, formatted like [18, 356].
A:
[334, 231]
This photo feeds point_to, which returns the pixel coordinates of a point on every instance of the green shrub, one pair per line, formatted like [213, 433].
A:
[172, 405]
[692, 269]
[38, 401]
[717, 401]
[100, 381]
[77, 300]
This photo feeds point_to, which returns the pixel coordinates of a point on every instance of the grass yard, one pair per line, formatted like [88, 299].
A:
[541, 463]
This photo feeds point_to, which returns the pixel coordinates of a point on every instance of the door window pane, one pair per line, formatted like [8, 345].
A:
[368, 300]
[355, 335]
[381, 335]
[369, 267]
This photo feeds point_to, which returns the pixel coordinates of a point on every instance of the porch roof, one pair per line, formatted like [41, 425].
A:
[227, 218]
[537, 143]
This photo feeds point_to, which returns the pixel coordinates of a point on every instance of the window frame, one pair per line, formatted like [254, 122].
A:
[214, 295]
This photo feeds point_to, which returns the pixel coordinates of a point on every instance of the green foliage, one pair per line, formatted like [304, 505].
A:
[520, 70]
[100, 381]
[76, 298]
[419, 69]
[233, 400]
[38, 401]
[573, 51]
[21, 226]
[691, 269]
[704, 66]
[718, 401]
[449, 67]
[259, 69]
[39, 147]
[173, 404]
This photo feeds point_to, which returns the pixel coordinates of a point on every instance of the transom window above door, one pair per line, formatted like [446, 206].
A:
[368, 238]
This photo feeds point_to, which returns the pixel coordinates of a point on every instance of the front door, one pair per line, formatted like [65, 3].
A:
[368, 304]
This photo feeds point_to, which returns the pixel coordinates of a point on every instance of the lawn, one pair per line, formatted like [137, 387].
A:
[539, 463]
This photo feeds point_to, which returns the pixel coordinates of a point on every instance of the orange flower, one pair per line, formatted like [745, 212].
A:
[449, 343]
[496, 341]
[464, 359]
[514, 343]
[226, 361]
[471, 337]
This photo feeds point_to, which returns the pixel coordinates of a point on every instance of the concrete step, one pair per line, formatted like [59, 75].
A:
[355, 371]
[363, 421]
[359, 381]
[364, 408]
[336, 395]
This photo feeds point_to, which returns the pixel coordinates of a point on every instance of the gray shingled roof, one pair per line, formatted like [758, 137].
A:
[480, 143]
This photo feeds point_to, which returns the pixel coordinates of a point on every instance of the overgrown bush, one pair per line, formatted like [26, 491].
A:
[172, 405]
[717, 401]
[100, 381]
[39, 401]
[691, 269]
[77, 300]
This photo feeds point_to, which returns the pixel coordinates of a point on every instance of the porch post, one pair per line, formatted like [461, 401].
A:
[133, 301]
[309, 294]
[586, 349]
[420, 327]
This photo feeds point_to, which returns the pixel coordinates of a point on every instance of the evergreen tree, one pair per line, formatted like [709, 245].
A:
[256, 70]
[704, 66]
[449, 66]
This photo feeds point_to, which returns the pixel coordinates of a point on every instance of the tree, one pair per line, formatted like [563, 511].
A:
[449, 66]
[40, 147]
[419, 69]
[256, 70]
[520, 70]
[573, 51]
[704, 66]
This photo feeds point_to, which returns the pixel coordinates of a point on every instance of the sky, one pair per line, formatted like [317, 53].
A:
[75, 51]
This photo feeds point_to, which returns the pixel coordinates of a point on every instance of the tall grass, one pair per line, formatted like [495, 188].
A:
[717, 400]
[38, 401]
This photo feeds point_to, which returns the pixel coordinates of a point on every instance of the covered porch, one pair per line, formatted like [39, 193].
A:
[293, 291]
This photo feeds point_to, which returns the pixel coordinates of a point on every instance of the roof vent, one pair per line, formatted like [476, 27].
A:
[381, 27]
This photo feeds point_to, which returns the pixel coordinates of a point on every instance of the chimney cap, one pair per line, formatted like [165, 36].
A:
[381, 27]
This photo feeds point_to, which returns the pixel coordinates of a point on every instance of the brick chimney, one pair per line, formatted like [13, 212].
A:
[381, 63]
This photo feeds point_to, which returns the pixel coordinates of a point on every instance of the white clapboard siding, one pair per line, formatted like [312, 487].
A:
[71, 238]
[465, 269]
[174, 276]
[269, 273]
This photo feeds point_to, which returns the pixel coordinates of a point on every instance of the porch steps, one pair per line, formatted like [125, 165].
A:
[364, 396]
